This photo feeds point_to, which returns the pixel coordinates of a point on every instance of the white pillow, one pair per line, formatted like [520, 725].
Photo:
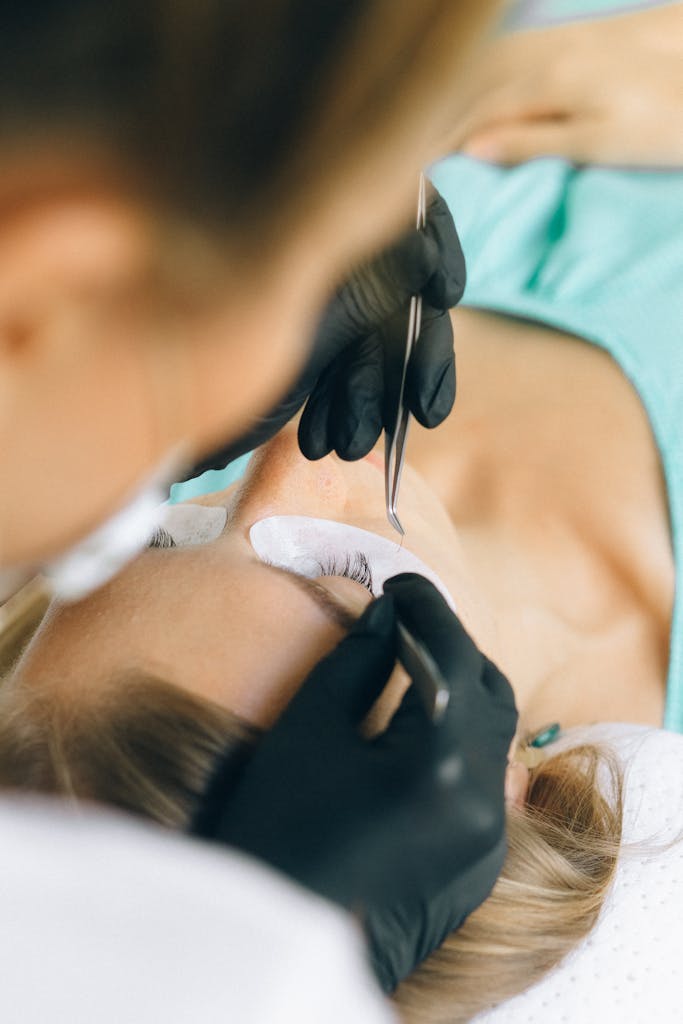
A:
[630, 968]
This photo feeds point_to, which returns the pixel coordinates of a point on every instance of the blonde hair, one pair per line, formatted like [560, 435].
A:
[20, 616]
[141, 745]
[149, 748]
[562, 853]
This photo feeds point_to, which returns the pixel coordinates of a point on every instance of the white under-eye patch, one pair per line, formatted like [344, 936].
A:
[192, 524]
[305, 545]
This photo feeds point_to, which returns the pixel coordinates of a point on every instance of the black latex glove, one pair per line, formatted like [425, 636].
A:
[365, 324]
[407, 830]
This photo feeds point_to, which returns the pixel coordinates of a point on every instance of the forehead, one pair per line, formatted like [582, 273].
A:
[211, 619]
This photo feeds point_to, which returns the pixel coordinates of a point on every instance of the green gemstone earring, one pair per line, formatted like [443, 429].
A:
[542, 737]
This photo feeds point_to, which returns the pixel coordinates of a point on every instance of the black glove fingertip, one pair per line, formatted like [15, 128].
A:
[357, 419]
[312, 433]
[378, 619]
[407, 583]
[500, 689]
[430, 408]
[430, 382]
[446, 287]
[355, 444]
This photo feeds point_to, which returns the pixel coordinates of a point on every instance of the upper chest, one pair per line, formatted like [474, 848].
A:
[549, 468]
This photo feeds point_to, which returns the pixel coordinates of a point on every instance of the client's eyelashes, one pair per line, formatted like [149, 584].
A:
[161, 538]
[354, 566]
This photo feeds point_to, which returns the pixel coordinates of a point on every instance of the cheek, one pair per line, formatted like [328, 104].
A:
[217, 411]
[246, 355]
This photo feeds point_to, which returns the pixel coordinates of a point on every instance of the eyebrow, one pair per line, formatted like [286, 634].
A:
[335, 609]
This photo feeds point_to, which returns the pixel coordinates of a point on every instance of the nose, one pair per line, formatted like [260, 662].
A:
[283, 482]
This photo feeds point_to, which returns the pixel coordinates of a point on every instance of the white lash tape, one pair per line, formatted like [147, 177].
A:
[193, 524]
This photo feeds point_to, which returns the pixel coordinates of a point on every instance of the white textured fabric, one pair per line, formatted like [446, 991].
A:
[630, 968]
[106, 922]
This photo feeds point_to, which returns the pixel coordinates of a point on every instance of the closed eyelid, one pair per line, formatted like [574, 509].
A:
[335, 609]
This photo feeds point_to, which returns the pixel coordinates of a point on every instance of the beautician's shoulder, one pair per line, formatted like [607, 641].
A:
[162, 928]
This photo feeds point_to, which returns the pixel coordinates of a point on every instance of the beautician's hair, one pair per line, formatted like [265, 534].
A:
[236, 114]
[150, 748]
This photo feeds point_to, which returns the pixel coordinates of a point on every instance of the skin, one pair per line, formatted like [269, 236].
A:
[553, 543]
[552, 474]
[604, 91]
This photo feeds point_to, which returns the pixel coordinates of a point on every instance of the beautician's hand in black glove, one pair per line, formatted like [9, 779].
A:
[344, 379]
[406, 830]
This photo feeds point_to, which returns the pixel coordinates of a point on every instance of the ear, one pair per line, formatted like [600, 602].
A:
[63, 256]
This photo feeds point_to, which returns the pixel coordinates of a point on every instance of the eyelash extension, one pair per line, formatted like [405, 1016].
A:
[354, 567]
[161, 538]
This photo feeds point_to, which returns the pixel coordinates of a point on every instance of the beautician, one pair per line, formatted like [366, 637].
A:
[183, 189]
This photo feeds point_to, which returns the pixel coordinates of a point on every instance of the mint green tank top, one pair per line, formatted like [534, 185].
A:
[598, 253]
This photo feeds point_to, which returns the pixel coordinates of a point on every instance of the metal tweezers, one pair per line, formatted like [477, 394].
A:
[413, 655]
[424, 672]
[395, 442]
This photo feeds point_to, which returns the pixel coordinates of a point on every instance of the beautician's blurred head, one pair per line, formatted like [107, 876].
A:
[181, 184]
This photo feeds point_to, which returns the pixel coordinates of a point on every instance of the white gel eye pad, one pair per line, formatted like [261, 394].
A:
[305, 545]
[193, 524]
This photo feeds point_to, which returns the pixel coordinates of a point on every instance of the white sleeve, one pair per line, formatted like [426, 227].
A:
[109, 921]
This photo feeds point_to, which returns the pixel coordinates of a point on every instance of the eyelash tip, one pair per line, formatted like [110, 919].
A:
[356, 567]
